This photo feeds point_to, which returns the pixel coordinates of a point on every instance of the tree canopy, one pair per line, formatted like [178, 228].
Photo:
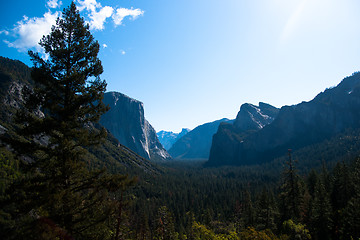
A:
[59, 195]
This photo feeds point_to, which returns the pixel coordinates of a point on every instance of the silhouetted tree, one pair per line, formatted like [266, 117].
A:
[266, 211]
[58, 195]
[350, 219]
[247, 215]
[320, 219]
[291, 194]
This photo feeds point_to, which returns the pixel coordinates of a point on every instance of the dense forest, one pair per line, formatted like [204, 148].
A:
[184, 200]
[247, 203]
[63, 176]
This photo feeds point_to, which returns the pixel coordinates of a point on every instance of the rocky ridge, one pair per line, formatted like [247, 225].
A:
[328, 114]
[249, 119]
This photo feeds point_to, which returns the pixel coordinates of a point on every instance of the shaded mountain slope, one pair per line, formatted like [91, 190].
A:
[250, 119]
[14, 76]
[329, 113]
[196, 143]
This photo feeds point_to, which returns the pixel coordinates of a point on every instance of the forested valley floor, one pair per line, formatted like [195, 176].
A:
[188, 201]
[184, 200]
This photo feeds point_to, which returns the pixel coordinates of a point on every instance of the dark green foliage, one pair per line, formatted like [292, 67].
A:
[295, 230]
[14, 68]
[350, 214]
[266, 211]
[13, 74]
[291, 193]
[164, 225]
[321, 210]
[12, 71]
[9, 169]
[59, 193]
[343, 187]
[247, 211]
[220, 201]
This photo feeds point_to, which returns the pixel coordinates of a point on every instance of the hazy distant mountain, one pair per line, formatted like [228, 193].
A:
[126, 121]
[167, 139]
[328, 114]
[196, 143]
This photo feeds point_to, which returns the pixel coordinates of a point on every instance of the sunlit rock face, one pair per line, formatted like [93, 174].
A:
[251, 117]
[126, 121]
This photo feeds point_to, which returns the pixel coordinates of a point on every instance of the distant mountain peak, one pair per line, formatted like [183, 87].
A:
[196, 143]
[251, 117]
[168, 138]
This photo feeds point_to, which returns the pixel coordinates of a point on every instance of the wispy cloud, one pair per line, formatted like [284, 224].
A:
[98, 14]
[28, 32]
[4, 32]
[98, 18]
[121, 13]
[90, 5]
[53, 3]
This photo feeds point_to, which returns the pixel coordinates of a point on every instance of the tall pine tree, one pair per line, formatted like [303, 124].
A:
[59, 196]
[350, 224]
[320, 219]
[266, 211]
[291, 195]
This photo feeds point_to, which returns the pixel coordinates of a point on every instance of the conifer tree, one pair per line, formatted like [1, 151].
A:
[165, 228]
[320, 219]
[265, 211]
[291, 193]
[343, 187]
[247, 210]
[350, 224]
[342, 192]
[58, 195]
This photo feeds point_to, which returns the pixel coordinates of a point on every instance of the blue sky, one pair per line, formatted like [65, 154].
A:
[196, 61]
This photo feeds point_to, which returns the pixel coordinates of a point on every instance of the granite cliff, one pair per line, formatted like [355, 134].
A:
[125, 120]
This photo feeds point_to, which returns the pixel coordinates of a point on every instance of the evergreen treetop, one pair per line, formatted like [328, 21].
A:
[58, 196]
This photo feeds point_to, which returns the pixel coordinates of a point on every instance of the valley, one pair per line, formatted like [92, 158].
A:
[264, 97]
[217, 180]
